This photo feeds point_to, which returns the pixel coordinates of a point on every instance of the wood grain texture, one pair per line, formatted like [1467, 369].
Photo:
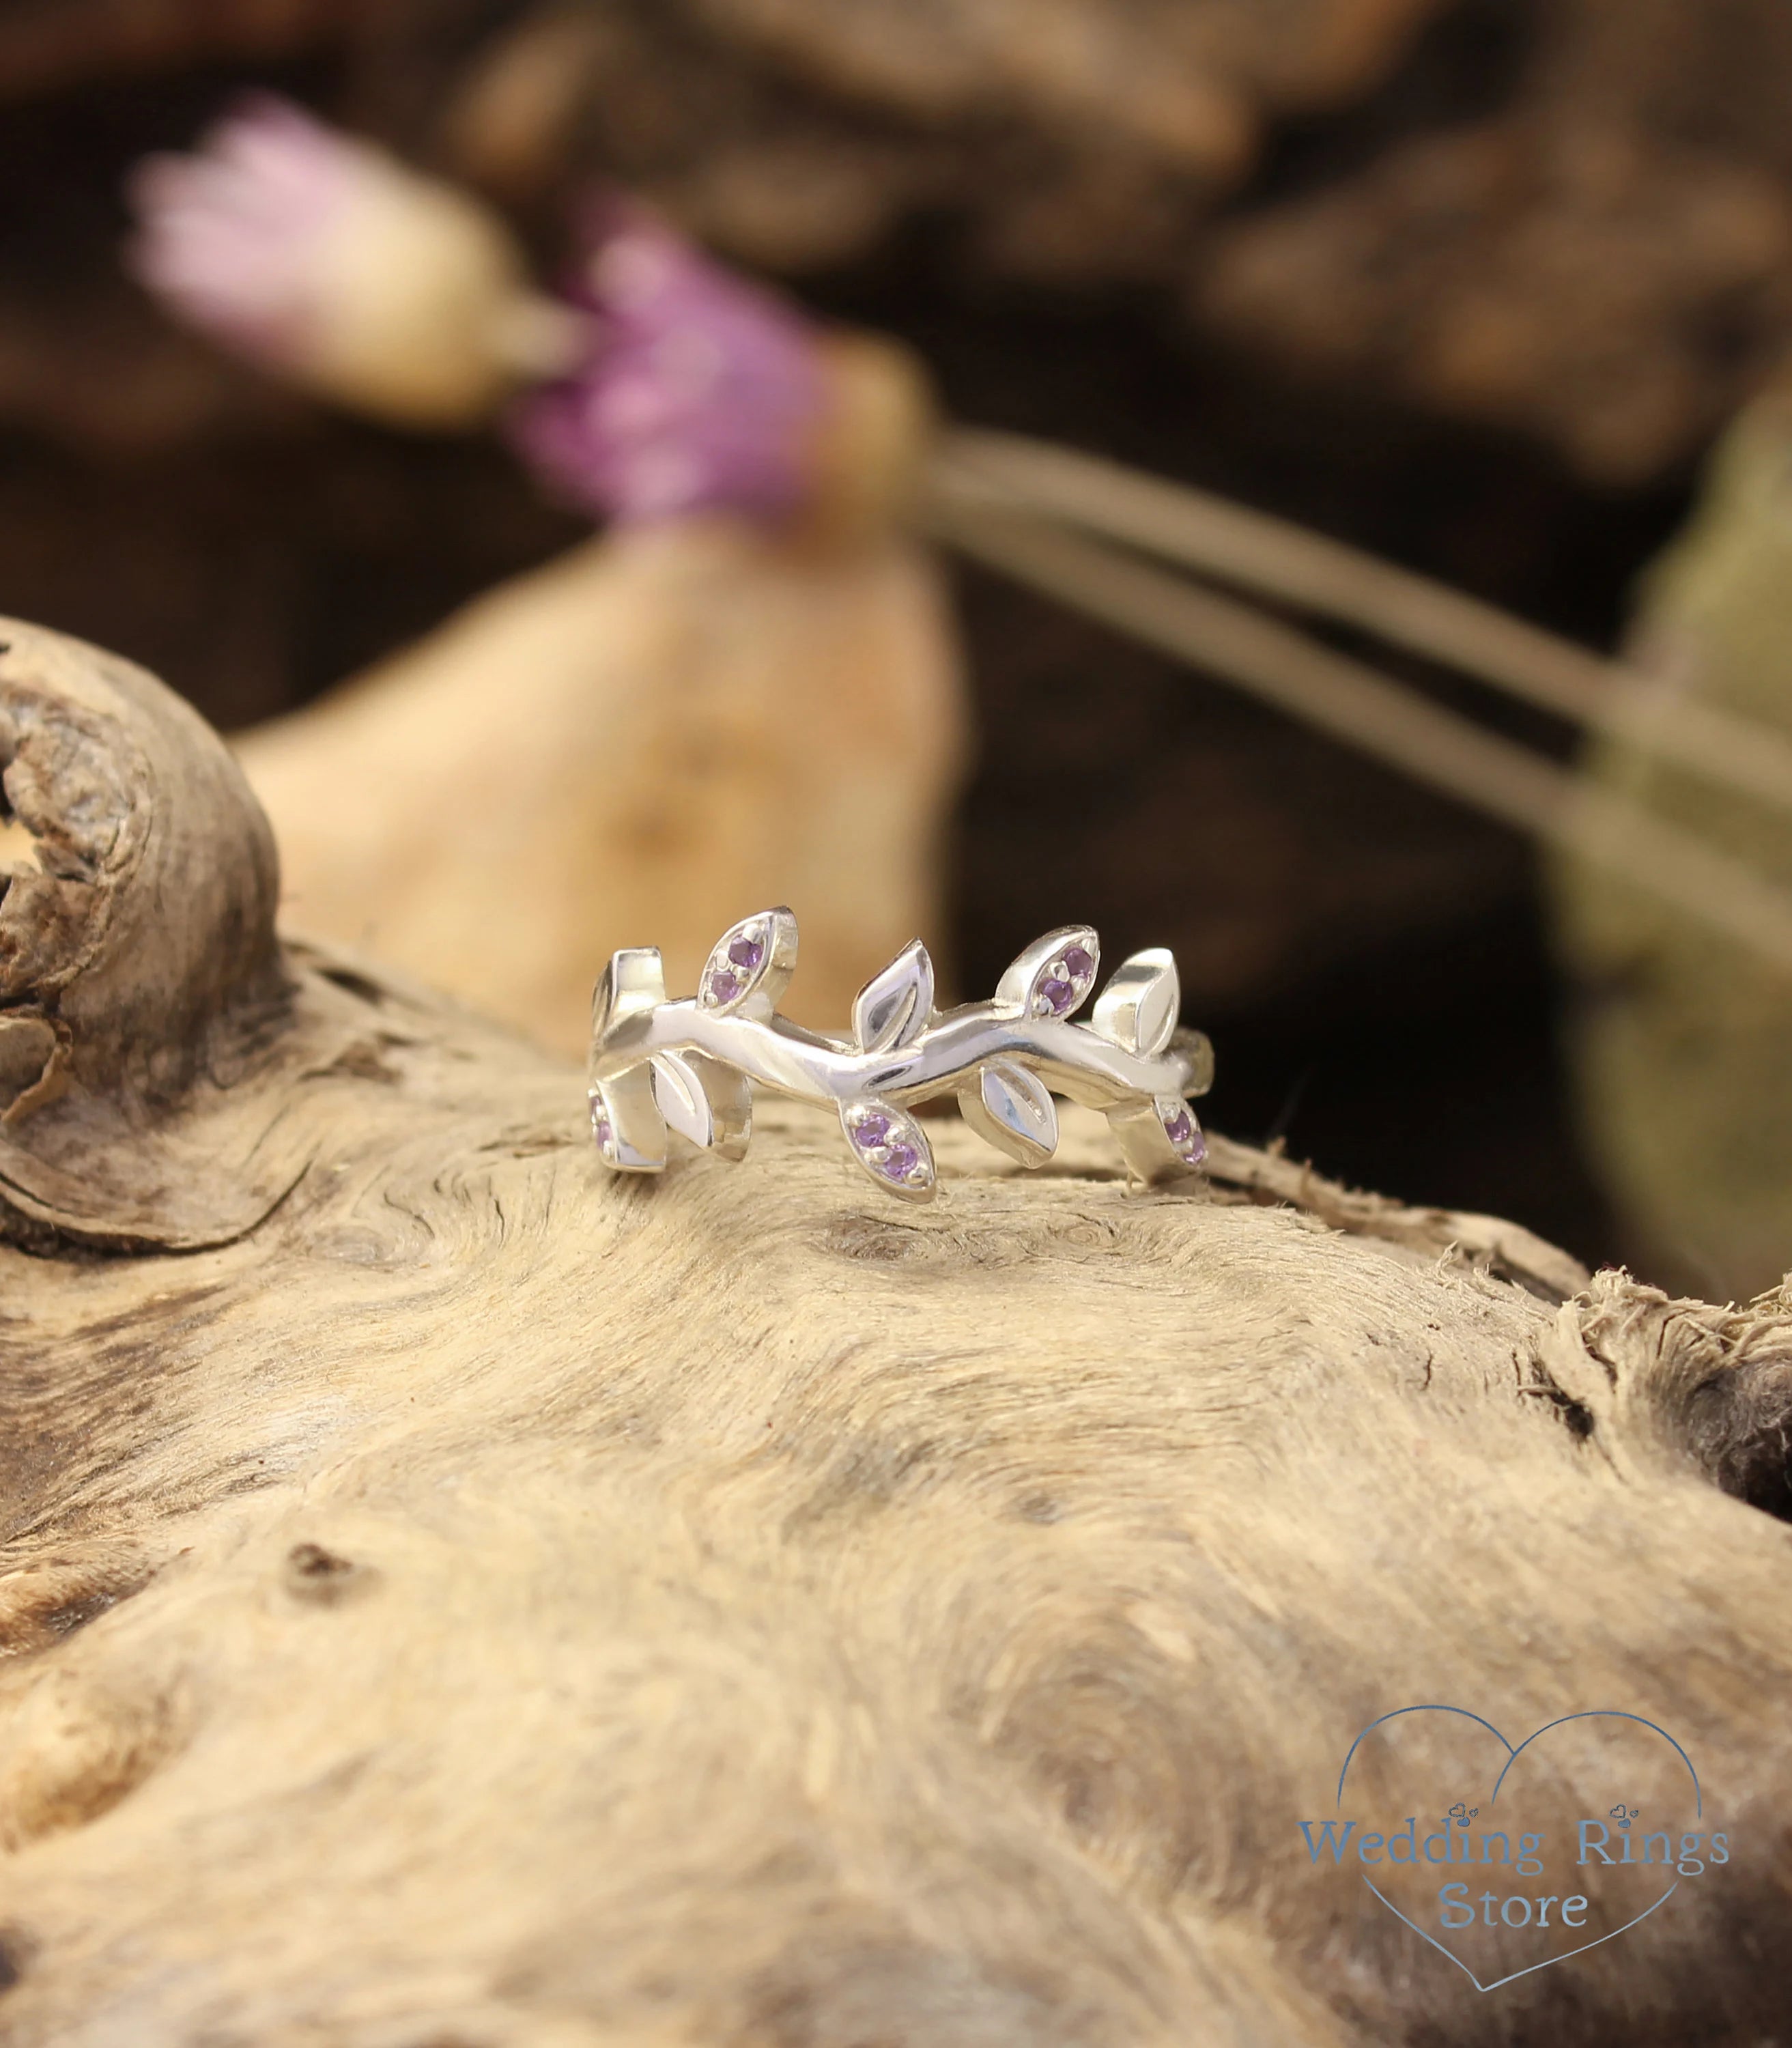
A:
[139, 981]
[488, 1603]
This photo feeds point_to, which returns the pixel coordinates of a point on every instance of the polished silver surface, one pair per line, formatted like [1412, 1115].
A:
[660, 1069]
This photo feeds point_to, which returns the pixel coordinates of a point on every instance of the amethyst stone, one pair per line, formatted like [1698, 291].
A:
[1066, 981]
[900, 1162]
[746, 952]
[1056, 995]
[723, 987]
[872, 1129]
[1183, 1134]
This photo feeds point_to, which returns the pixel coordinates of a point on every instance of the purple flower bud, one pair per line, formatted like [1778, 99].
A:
[698, 391]
[228, 235]
[320, 257]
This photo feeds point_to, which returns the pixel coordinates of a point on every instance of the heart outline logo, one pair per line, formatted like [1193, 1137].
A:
[1513, 1753]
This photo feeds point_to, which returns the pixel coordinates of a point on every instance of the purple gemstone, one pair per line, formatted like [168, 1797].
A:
[1183, 1132]
[870, 1129]
[1057, 995]
[1077, 963]
[723, 987]
[602, 1129]
[746, 952]
[900, 1162]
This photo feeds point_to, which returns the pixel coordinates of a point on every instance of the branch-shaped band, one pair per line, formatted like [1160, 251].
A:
[660, 1068]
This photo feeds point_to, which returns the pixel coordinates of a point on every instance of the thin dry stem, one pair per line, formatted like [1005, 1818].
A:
[1276, 559]
[1382, 718]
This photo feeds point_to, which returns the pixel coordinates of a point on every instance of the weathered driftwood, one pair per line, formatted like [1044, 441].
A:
[657, 733]
[452, 1595]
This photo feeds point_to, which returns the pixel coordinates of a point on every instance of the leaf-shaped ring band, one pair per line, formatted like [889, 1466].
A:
[688, 1067]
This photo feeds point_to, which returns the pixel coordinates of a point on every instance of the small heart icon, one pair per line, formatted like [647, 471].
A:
[1508, 1857]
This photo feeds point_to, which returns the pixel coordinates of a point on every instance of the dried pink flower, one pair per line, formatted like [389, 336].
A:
[323, 259]
[698, 389]
[228, 236]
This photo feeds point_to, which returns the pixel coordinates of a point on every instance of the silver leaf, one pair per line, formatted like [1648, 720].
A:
[1013, 1109]
[703, 1099]
[893, 1008]
[891, 1147]
[682, 1098]
[1159, 1138]
[632, 984]
[624, 1108]
[1032, 984]
[751, 964]
[1139, 1008]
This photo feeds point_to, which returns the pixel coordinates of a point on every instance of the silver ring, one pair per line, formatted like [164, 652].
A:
[689, 1068]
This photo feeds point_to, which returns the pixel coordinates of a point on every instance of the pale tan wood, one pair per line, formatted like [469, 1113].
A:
[659, 733]
[477, 1601]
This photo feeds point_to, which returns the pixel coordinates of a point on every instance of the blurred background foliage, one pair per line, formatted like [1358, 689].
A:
[1470, 282]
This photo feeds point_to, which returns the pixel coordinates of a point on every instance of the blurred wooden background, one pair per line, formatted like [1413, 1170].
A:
[1472, 282]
